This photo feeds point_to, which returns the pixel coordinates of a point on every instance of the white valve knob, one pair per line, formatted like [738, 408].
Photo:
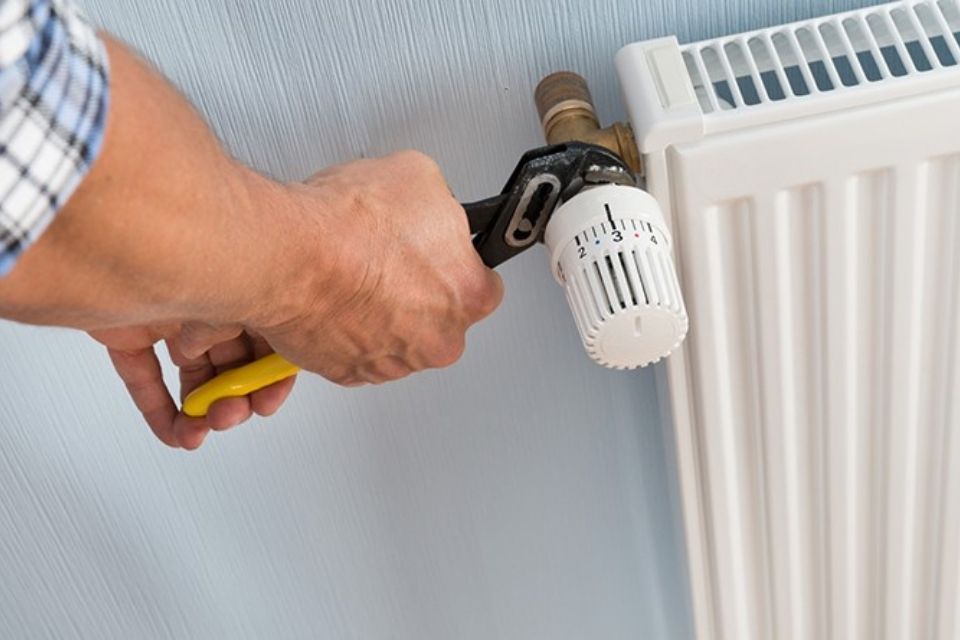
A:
[610, 250]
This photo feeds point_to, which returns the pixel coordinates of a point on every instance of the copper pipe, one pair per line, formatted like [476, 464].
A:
[567, 114]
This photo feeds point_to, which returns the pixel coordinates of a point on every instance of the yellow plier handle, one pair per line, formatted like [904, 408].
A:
[238, 382]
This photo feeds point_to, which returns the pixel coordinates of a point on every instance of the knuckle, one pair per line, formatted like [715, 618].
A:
[492, 296]
[416, 159]
[351, 381]
[483, 292]
[341, 376]
[392, 368]
[447, 352]
[418, 167]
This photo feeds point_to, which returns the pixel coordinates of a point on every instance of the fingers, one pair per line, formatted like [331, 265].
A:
[386, 369]
[190, 432]
[196, 338]
[487, 296]
[140, 371]
[267, 401]
[230, 354]
[228, 413]
[235, 351]
[131, 351]
[195, 371]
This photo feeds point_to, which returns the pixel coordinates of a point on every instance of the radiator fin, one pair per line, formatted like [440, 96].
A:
[825, 361]
[833, 54]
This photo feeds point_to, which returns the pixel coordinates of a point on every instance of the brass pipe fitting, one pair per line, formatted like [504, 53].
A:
[567, 114]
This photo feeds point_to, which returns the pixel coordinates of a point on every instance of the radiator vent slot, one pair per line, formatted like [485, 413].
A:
[638, 277]
[833, 54]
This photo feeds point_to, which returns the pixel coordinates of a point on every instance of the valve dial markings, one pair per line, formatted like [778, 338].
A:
[615, 233]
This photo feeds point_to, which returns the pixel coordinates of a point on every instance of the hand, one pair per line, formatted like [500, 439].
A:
[400, 283]
[200, 352]
[390, 284]
[364, 274]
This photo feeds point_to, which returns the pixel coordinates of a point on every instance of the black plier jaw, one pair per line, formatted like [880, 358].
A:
[513, 221]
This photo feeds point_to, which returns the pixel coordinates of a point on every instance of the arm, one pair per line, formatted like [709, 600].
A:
[168, 238]
[165, 227]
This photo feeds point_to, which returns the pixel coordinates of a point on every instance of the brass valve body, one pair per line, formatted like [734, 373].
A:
[567, 114]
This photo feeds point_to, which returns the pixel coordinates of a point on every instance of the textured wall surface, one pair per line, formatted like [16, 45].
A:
[523, 493]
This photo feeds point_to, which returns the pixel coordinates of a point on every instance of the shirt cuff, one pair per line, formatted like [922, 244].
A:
[53, 106]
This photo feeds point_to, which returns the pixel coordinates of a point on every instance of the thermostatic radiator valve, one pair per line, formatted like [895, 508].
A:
[609, 248]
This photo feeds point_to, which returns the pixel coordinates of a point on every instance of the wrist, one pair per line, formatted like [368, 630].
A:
[286, 259]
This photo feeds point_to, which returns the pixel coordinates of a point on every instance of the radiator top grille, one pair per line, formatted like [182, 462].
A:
[835, 54]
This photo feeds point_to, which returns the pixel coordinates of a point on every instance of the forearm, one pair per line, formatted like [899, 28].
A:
[165, 227]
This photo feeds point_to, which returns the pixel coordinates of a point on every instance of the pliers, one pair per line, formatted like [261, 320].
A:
[502, 227]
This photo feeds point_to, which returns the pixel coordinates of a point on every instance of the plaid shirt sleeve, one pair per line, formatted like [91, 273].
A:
[53, 103]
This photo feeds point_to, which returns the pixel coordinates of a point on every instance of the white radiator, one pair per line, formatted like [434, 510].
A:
[811, 175]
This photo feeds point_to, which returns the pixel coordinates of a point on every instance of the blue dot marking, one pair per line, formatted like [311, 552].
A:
[597, 241]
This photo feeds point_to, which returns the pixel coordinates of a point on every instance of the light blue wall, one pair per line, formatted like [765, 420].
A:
[524, 493]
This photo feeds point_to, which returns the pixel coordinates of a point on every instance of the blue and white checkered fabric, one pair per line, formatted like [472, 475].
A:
[53, 105]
